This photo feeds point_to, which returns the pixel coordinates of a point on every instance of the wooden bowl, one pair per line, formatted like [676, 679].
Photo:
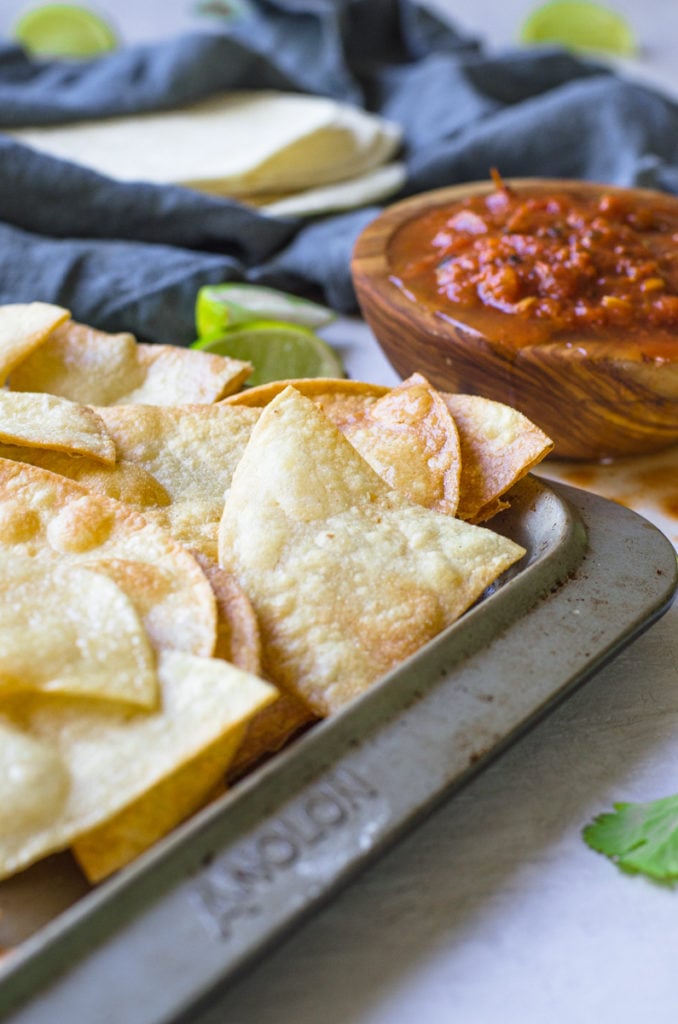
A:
[599, 393]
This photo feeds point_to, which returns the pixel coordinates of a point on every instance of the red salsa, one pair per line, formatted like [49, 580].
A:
[530, 265]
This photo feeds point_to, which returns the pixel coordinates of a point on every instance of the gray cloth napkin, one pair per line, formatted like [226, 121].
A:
[132, 256]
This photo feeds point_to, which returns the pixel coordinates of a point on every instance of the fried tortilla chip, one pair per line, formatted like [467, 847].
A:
[269, 731]
[347, 577]
[409, 437]
[24, 328]
[94, 368]
[324, 389]
[498, 447]
[406, 433]
[124, 481]
[66, 629]
[47, 517]
[46, 421]
[70, 766]
[191, 452]
[238, 638]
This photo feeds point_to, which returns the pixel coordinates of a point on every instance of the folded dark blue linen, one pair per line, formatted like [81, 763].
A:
[131, 256]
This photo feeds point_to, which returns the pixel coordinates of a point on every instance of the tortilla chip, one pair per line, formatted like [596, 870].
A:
[47, 516]
[23, 328]
[409, 437]
[94, 368]
[498, 447]
[238, 638]
[405, 433]
[70, 766]
[66, 629]
[46, 421]
[268, 732]
[124, 481]
[347, 577]
[328, 389]
[191, 452]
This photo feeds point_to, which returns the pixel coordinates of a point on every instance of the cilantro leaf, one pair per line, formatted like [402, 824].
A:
[639, 837]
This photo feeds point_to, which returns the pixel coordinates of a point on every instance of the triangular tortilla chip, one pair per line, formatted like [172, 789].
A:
[191, 452]
[66, 629]
[48, 516]
[347, 577]
[498, 447]
[23, 328]
[70, 766]
[46, 421]
[95, 368]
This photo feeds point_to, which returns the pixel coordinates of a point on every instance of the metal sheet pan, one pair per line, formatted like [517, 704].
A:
[204, 903]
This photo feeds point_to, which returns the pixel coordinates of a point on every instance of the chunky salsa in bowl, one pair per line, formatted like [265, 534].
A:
[558, 296]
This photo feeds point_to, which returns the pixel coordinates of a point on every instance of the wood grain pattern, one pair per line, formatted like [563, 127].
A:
[599, 401]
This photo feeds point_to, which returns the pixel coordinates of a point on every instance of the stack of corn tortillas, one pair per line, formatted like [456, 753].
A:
[290, 154]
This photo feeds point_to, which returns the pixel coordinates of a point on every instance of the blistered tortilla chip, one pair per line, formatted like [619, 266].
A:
[48, 516]
[66, 629]
[406, 433]
[498, 447]
[191, 452]
[324, 389]
[409, 437]
[23, 328]
[347, 577]
[124, 481]
[94, 368]
[238, 638]
[70, 766]
[47, 421]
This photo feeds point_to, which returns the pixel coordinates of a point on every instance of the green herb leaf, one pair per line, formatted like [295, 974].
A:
[639, 837]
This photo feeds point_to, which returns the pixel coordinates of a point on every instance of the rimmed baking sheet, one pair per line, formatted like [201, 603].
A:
[209, 899]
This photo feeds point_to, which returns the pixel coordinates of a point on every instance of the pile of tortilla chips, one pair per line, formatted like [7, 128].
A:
[193, 572]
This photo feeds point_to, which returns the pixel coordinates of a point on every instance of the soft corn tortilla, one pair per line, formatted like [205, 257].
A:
[46, 421]
[92, 367]
[347, 577]
[239, 144]
[70, 767]
[67, 629]
[23, 328]
[49, 517]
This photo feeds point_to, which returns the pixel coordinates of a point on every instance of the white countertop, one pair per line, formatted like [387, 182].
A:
[494, 910]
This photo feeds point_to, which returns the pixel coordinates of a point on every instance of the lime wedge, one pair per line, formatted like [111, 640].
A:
[277, 351]
[222, 306]
[579, 25]
[64, 30]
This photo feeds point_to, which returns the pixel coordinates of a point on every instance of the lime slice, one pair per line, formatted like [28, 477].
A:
[579, 25]
[277, 351]
[64, 30]
[222, 306]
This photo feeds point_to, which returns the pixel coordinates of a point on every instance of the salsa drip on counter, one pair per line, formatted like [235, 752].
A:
[557, 263]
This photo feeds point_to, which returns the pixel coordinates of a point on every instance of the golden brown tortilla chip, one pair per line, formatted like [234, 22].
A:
[189, 451]
[94, 368]
[49, 517]
[84, 765]
[347, 577]
[498, 447]
[409, 437]
[24, 328]
[46, 421]
[67, 629]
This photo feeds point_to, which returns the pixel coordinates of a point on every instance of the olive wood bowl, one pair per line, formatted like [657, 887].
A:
[602, 399]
